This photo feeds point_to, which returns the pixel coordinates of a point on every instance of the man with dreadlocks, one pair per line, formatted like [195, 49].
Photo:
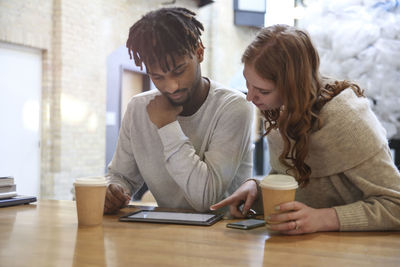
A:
[189, 142]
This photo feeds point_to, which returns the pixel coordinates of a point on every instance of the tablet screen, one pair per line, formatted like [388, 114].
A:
[175, 216]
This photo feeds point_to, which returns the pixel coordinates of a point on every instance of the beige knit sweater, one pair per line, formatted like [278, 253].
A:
[352, 168]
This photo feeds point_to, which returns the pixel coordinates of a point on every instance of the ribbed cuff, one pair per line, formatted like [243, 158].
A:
[352, 217]
[172, 137]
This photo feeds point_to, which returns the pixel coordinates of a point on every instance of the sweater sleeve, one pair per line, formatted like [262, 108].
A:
[123, 169]
[205, 180]
[378, 182]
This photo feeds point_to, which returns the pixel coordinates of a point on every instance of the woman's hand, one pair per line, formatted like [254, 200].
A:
[298, 218]
[246, 193]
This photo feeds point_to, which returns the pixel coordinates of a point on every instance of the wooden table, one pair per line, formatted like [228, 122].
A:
[47, 234]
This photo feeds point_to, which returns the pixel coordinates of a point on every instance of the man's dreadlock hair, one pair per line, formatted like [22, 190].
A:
[162, 33]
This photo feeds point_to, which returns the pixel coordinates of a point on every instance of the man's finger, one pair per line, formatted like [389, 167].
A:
[128, 199]
[111, 202]
[109, 208]
[118, 192]
[111, 199]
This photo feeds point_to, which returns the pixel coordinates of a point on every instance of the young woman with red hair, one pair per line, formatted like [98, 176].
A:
[322, 132]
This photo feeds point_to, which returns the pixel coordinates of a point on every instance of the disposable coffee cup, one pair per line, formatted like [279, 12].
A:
[277, 189]
[90, 193]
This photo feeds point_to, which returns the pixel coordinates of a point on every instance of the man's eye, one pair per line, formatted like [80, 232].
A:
[265, 93]
[155, 77]
[179, 71]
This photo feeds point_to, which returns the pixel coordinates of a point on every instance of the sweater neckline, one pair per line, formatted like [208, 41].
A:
[203, 106]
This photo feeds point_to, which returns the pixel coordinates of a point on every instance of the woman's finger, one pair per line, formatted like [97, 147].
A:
[225, 202]
[248, 203]
[288, 206]
[285, 216]
[235, 212]
[283, 227]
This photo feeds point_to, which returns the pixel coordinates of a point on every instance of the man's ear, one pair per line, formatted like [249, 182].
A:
[200, 53]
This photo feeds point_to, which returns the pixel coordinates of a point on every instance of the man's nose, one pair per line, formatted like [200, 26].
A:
[171, 86]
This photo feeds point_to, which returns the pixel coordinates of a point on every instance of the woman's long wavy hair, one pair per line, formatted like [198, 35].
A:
[286, 56]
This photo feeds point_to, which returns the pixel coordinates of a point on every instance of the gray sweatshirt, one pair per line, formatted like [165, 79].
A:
[192, 162]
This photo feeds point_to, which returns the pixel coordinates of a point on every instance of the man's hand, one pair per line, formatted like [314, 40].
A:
[116, 198]
[162, 112]
[246, 193]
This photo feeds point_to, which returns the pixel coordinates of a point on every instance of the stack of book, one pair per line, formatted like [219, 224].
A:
[8, 193]
[8, 188]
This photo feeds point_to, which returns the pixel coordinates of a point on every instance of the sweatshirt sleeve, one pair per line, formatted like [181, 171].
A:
[378, 182]
[123, 169]
[205, 180]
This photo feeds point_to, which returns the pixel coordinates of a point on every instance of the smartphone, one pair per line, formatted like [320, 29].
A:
[246, 224]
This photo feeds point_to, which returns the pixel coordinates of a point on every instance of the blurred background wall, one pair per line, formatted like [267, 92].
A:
[64, 49]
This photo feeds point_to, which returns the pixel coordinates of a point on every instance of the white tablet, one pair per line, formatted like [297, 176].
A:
[171, 217]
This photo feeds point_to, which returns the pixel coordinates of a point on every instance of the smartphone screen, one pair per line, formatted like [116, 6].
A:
[246, 224]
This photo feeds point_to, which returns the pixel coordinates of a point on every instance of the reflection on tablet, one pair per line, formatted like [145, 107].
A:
[177, 216]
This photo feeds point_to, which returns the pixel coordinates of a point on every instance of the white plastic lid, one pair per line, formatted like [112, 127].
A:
[279, 182]
[90, 181]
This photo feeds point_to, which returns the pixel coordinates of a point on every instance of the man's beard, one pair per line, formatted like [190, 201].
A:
[190, 92]
[179, 102]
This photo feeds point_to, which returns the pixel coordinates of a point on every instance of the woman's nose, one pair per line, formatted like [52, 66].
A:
[250, 95]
